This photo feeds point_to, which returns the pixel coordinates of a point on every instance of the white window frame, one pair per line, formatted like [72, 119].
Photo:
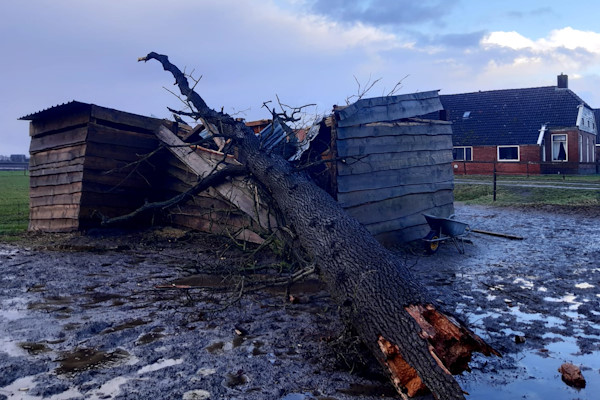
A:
[508, 160]
[464, 153]
[566, 147]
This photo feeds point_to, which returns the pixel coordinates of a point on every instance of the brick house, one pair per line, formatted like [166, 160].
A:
[542, 130]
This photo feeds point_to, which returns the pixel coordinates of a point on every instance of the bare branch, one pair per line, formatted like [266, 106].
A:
[206, 182]
[397, 87]
[361, 91]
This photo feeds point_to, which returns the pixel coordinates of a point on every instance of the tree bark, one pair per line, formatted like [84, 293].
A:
[418, 345]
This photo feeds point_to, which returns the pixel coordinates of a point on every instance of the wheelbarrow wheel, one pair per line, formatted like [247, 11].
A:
[431, 247]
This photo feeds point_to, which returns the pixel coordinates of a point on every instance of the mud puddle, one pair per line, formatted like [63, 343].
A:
[173, 342]
[535, 300]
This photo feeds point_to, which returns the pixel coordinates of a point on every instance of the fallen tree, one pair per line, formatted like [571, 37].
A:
[418, 344]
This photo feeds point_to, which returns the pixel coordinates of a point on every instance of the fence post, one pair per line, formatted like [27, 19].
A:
[494, 180]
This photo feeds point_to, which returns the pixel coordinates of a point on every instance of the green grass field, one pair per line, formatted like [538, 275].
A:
[14, 202]
[506, 196]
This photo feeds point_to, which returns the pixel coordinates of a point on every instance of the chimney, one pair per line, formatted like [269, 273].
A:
[562, 81]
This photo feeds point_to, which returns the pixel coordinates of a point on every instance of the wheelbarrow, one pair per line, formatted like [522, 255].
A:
[443, 229]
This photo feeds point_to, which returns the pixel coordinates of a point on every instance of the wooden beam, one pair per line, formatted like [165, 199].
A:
[237, 191]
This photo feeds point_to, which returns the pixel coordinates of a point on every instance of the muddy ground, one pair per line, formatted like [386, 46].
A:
[89, 316]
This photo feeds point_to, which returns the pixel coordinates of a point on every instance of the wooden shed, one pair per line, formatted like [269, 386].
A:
[392, 167]
[90, 162]
[79, 165]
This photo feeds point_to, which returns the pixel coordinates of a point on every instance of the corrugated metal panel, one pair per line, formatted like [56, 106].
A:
[65, 108]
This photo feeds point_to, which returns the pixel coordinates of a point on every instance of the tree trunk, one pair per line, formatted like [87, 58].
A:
[418, 345]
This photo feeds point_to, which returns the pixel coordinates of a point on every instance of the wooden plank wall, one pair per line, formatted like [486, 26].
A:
[393, 172]
[57, 153]
[208, 211]
[71, 156]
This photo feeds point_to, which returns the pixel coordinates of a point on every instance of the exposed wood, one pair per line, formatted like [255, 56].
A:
[237, 192]
[504, 235]
[572, 376]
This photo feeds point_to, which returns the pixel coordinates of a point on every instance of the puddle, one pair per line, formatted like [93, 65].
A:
[235, 379]
[34, 348]
[123, 326]
[148, 338]
[51, 303]
[86, 359]
[96, 298]
[537, 376]
[219, 347]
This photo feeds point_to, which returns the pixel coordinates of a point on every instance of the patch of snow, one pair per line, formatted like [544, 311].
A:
[198, 394]
[159, 365]
[206, 371]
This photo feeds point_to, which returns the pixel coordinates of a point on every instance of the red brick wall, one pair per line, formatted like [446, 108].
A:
[485, 156]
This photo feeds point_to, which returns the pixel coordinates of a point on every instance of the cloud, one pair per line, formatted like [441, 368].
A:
[542, 11]
[566, 38]
[384, 12]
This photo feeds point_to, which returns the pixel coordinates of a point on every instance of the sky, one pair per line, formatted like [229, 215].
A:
[246, 52]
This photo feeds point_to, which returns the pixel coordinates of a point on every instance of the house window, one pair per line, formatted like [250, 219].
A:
[508, 153]
[580, 148]
[466, 114]
[559, 147]
[462, 153]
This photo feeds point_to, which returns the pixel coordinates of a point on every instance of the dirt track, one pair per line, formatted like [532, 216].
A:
[85, 319]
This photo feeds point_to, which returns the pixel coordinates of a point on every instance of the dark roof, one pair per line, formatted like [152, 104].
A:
[66, 108]
[509, 117]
